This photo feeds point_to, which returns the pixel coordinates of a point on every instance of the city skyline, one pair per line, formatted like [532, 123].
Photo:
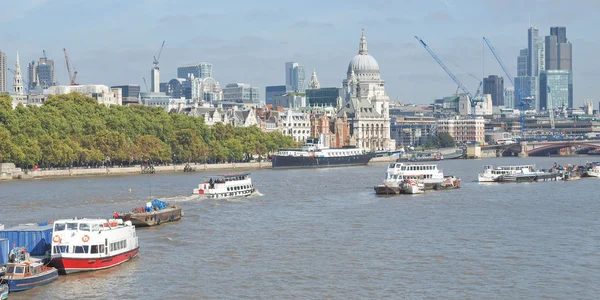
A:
[320, 39]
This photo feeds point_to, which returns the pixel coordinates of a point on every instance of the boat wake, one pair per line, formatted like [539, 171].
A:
[182, 198]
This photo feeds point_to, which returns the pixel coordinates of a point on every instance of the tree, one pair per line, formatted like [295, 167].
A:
[445, 140]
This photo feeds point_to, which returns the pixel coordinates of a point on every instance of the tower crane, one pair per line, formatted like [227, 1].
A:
[520, 99]
[472, 99]
[71, 77]
[157, 57]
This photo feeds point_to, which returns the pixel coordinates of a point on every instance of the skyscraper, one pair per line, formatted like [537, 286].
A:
[294, 76]
[199, 70]
[533, 40]
[522, 63]
[41, 73]
[494, 86]
[155, 80]
[559, 56]
[3, 68]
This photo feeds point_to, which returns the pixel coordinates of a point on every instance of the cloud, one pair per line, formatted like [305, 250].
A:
[438, 16]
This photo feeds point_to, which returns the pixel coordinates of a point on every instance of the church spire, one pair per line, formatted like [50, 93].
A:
[363, 44]
[314, 82]
[18, 79]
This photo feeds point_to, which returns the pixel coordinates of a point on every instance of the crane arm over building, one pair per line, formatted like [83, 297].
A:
[511, 79]
[157, 57]
[72, 77]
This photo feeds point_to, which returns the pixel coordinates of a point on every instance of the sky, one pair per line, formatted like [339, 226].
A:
[113, 42]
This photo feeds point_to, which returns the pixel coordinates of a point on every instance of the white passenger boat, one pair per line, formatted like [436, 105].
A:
[92, 244]
[491, 174]
[226, 186]
[593, 169]
[427, 174]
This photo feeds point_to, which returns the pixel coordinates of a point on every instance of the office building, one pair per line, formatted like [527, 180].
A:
[509, 97]
[533, 56]
[101, 93]
[130, 93]
[200, 70]
[179, 88]
[323, 97]
[494, 86]
[522, 63]
[3, 68]
[240, 93]
[41, 73]
[294, 76]
[275, 90]
[206, 90]
[463, 129]
[559, 56]
[558, 82]
[560, 33]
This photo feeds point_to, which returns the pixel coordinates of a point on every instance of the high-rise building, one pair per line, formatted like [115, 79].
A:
[560, 33]
[41, 73]
[559, 56]
[494, 86]
[533, 41]
[509, 97]
[240, 93]
[155, 80]
[3, 68]
[554, 89]
[528, 85]
[200, 70]
[522, 63]
[275, 90]
[294, 76]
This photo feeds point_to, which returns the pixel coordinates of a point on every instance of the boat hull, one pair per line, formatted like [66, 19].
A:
[292, 162]
[384, 189]
[170, 214]
[23, 284]
[69, 265]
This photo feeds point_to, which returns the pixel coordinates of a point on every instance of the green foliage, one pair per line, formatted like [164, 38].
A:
[74, 130]
[442, 140]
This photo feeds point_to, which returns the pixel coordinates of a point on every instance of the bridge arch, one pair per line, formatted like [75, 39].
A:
[554, 146]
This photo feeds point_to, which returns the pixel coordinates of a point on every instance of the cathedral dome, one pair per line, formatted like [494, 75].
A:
[363, 62]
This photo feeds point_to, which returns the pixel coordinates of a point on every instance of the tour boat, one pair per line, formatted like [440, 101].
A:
[92, 244]
[593, 169]
[412, 186]
[24, 273]
[491, 174]
[427, 174]
[154, 213]
[226, 186]
[315, 154]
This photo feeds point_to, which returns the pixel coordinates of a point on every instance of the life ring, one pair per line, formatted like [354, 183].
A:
[56, 239]
[85, 238]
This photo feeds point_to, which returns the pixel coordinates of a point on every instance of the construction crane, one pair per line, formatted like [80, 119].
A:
[520, 99]
[157, 57]
[472, 99]
[73, 77]
[147, 90]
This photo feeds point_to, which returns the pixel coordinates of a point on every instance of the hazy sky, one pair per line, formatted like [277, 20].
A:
[112, 42]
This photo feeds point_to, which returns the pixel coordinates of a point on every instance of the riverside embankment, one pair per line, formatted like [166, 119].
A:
[8, 171]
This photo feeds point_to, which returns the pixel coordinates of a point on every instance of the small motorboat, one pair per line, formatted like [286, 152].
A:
[24, 273]
[412, 186]
[154, 213]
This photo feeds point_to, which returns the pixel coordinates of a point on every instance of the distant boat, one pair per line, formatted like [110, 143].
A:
[154, 213]
[226, 186]
[24, 273]
[420, 156]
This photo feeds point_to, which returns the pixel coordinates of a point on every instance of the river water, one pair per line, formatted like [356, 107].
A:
[324, 234]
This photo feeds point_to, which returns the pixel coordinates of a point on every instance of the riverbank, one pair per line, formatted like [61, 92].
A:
[9, 171]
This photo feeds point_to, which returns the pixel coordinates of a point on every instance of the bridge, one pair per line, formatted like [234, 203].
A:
[542, 148]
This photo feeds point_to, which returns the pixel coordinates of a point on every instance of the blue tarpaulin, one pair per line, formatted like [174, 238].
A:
[35, 238]
[4, 249]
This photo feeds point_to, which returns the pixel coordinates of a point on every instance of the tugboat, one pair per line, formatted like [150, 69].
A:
[154, 213]
[226, 186]
[92, 244]
[23, 273]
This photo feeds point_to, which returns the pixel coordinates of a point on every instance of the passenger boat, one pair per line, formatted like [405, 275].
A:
[226, 186]
[3, 291]
[421, 156]
[24, 273]
[593, 169]
[428, 174]
[412, 186]
[491, 174]
[315, 154]
[92, 244]
[154, 213]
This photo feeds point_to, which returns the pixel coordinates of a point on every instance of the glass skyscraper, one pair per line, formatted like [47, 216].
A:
[200, 70]
[554, 89]
[294, 76]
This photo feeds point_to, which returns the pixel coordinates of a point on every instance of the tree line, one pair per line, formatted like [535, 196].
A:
[74, 130]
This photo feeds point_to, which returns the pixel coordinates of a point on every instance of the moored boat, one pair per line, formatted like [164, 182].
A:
[3, 291]
[593, 169]
[491, 174]
[92, 244]
[154, 213]
[450, 182]
[24, 273]
[412, 186]
[226, 186]
[315, 154]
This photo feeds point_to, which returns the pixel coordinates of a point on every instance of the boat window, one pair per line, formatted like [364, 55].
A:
[100, 248]
[94, 249]
[61, 249]
[84, 227]
[81, 249]
[10, 269]
[71, 226]
[59, 226]
[95, 227]
[19, 270]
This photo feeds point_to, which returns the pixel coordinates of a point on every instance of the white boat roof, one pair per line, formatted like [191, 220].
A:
[91, 221]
